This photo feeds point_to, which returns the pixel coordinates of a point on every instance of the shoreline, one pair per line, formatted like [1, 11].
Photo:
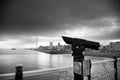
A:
[54, 51]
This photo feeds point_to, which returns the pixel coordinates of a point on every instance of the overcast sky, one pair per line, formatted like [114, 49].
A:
[21, 21]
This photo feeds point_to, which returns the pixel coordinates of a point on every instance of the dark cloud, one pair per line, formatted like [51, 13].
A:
[48, 17]
[108, 35]
[115, 4]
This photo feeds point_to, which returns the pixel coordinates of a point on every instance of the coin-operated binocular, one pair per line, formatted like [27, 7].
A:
[81, 42]
[78, 46]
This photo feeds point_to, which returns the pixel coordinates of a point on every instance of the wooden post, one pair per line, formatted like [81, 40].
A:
[115, 66]
[89, 76]
[19, 72]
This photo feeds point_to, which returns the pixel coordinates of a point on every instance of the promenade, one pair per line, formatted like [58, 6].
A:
[100, 71]
[57, 76]
[48, 76]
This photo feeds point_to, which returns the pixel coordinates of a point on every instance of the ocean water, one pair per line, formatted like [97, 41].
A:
[32, 60]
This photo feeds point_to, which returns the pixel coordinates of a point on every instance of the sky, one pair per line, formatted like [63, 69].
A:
[22, 21]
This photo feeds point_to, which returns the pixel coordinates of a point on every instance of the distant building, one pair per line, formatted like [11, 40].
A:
[117, 46]
[50, 45]
[113, 46]
[67, 47]
[41, 47]
[46, 48]
[58, 46]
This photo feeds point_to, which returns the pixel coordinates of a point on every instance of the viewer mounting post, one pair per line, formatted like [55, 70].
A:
[78, 46]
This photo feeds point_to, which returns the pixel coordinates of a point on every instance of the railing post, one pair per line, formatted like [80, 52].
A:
[89, 76]
[19, 72]
[115, 67]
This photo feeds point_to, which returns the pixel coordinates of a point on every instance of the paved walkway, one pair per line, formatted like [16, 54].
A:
[103, 71]
[57, 76]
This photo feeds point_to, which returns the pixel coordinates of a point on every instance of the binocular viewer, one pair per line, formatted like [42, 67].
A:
[81, 42]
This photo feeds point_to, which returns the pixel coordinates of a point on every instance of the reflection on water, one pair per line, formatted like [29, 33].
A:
[48, 61]
[31, 60]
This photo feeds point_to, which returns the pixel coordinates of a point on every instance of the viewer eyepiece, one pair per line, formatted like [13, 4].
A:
[82, 42]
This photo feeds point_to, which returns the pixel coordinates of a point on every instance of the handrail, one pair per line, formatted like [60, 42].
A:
[36, 72]
[102, 54]
[96, 62]
[45, 71]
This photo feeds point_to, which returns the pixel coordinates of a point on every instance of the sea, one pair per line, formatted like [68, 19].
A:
[34, 60]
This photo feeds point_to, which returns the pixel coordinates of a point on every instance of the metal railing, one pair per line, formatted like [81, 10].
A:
[63, 71]
[105, 70]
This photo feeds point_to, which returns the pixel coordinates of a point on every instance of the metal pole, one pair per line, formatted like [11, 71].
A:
[115, 66]
[78, 76]
[78, 57]
[19, 72]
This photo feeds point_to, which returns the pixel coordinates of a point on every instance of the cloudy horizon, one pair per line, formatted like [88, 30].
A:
[22, 21]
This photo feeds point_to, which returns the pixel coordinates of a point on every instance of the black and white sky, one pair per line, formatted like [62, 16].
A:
[21, 21]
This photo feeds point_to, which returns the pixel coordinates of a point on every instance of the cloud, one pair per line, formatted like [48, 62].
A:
[44, 16]
[92, 19]
[9, 43]
[109, 35]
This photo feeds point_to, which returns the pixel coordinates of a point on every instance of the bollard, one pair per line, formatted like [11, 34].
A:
[115, 66]
[19, 72]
